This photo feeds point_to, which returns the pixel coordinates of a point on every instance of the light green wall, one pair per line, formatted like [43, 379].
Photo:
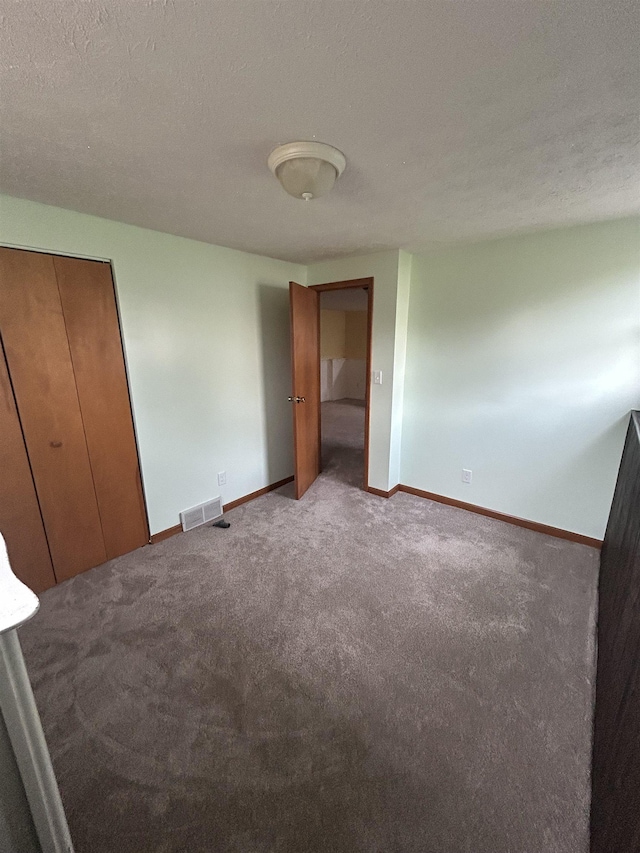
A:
[523, 362]
[206, 334]
[386, 433]
[405, 261]
[518, 358]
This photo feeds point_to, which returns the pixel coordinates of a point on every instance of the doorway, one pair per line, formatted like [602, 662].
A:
[345, 316]
[343, 381]
[331, 355]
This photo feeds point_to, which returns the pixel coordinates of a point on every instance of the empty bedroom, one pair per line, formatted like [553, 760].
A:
[319, 426]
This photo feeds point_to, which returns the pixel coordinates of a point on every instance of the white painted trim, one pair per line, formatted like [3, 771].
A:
[29, 746]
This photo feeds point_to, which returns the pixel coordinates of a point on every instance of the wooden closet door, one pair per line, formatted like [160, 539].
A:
[20, 519]
[89, 307]
[37, 352]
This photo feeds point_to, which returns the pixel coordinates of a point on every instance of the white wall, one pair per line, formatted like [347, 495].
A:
[343, 350]
[343, 378]
[523, 362]
[399, 359]
[385, 431]
[206, 334]
[326, 379]
[355, 379]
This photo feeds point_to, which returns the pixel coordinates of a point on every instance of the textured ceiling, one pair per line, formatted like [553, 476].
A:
[459, 120]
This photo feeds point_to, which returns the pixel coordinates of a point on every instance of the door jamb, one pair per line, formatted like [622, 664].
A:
[365, 284]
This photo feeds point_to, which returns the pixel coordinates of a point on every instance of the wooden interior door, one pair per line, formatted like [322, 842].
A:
[305, 399]
[20, 519]
[93, 331]
[37, 352]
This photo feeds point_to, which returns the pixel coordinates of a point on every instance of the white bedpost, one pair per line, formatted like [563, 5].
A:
[17, 605]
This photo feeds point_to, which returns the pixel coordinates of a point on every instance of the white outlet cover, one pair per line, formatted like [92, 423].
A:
[222, 478]
[467, 475]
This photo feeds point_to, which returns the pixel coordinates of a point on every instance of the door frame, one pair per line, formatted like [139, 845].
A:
[365, 284]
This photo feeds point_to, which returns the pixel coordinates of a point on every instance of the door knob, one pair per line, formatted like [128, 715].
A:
[296, 399]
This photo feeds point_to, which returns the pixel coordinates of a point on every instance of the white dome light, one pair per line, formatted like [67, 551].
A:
[307, 169]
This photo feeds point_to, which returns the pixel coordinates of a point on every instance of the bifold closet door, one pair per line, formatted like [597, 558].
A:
[88, 304]
[37, 353]
[20, 519]
[59, 325]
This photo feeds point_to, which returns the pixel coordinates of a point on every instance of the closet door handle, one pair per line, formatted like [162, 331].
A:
[55, 444]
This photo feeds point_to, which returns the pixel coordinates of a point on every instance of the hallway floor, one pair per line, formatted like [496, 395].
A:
[340, 674]
[343, 440]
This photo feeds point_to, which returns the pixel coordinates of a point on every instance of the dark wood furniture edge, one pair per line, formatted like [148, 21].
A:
[615, 766]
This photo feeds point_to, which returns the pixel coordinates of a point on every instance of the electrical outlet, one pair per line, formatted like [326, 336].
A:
[222, 478]
[467, 475]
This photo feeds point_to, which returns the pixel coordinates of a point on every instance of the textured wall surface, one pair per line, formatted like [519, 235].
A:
[523, 361]
[458, 120]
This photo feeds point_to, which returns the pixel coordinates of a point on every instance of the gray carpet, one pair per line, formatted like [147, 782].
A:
[344, 674]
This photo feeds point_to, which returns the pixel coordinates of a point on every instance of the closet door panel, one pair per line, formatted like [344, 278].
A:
[20, 519]
[37, 352]
[93, 331]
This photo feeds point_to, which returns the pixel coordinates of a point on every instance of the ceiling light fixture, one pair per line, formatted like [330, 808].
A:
[307, 169]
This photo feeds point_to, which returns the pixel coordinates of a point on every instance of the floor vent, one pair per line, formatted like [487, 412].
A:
[201, 514]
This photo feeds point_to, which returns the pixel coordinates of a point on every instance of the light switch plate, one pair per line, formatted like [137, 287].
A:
[377, 377]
